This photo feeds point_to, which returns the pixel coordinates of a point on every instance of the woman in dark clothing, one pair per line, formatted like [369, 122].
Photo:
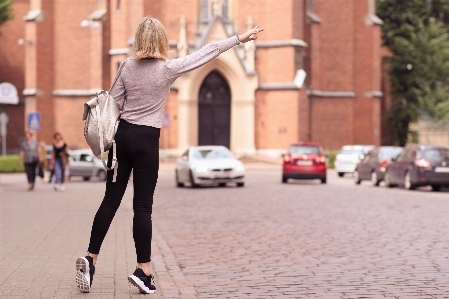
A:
[60, 154]
[29, 155]
[144, 82]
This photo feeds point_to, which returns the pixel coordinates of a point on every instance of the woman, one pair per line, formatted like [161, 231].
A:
[141, 90]
[29, 154]
[60, 154]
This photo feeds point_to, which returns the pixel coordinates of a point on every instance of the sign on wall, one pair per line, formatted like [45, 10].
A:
[8, 94]
[34, 121]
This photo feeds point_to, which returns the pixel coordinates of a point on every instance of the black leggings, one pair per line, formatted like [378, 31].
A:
[30, 169]
[137, 150]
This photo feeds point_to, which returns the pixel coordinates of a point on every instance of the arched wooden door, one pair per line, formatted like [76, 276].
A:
[214, 111]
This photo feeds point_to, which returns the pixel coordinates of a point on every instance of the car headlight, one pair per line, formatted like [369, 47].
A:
[201, 168]
[240, 168]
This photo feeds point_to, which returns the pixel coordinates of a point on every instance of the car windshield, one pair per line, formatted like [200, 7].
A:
[216, 153]
[304, 150]
[388, 153]
[436, 154]
[350, 152]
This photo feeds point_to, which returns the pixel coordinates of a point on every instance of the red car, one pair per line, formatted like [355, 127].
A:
[304, 160]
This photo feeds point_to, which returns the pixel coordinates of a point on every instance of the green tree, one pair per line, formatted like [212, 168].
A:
[5, 11]
[417, 34]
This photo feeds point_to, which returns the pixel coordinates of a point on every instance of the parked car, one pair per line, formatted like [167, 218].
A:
[85, 164]
[209, 165]
[304, 160]
[419, 165]
[349, 156]
[373, 166]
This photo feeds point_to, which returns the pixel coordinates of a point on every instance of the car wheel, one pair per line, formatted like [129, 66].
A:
[324, 180]
[436, 187]
[357, 179]
[240, 184]
[284, 179]
[341, 174]
[221, 184]
[178, 183]
[374, 179]
[192, 181]
[101, 175]
[408, 182]
[86, 178]
[387, 180]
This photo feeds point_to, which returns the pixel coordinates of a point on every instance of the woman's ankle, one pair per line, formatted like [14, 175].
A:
[93, 256]
[146, 268]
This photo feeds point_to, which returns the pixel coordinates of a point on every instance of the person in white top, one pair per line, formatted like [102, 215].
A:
[141, 91]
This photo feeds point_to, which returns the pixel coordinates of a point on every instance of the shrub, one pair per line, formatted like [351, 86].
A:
[9, 164]
[331, 159]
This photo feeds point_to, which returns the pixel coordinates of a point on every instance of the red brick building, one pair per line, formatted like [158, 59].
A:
[72, 48]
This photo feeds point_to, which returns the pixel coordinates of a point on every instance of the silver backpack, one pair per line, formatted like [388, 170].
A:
[102, 116]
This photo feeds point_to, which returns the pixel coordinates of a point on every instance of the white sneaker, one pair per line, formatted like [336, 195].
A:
[85, 271]
[62, 188]
[56, 187]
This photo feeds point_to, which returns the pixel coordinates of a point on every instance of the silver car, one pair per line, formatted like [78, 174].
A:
[349, 156]
[209, 165]
[84, 163]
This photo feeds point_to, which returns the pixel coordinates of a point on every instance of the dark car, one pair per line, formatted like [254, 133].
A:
[304, 160]
[419, 165]
[374, 164]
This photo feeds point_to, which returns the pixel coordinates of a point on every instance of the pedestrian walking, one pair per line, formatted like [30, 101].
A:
[29, 155]
[51, 168]
[43, 163]
[141, 90]
[60, 156]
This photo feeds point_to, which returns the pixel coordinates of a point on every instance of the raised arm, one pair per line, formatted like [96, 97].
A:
[180, 66]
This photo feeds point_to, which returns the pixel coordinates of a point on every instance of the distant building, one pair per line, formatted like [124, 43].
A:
[314, 74]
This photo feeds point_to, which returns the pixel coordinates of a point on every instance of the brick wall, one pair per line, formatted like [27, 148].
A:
[332, 121]
[277, 118]
[44, 71]
[343, 54]
[12, 68]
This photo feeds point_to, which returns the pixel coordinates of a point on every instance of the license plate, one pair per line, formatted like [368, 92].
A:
[304, 162]
[442, 169]
[220, 176]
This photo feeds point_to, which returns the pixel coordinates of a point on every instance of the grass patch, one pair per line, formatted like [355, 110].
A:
[10, 164]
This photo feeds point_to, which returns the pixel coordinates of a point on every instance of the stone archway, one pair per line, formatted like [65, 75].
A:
[214, 111]
[242, 82]
[242, 87]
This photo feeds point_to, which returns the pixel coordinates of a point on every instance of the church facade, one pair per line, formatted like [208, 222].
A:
[314, 74]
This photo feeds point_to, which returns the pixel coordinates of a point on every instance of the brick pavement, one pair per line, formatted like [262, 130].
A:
[306, 240]
[267, 240]
[43, 232]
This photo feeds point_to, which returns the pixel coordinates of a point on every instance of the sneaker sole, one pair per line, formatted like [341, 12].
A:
[82, 267]
[140, 285]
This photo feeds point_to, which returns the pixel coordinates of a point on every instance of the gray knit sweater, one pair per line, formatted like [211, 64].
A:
[143, 86]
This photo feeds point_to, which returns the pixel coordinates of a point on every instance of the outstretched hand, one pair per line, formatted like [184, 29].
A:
[250, 35]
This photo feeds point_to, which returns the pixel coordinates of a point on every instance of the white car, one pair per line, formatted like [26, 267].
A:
[209, 165]
[84, 163]
[349, 156]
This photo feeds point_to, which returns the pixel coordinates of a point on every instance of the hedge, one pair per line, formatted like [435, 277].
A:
[9, 164]
[331, 159]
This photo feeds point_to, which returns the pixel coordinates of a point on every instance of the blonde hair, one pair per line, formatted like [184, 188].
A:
[150, 40]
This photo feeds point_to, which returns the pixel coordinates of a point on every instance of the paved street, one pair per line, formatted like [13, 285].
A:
[266, 240]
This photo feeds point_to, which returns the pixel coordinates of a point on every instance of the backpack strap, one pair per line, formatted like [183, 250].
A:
[116, 78]
[114, 164]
